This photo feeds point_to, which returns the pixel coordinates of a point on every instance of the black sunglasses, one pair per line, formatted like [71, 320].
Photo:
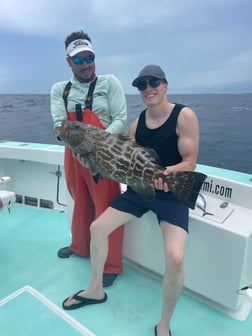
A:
[80, 60]
[153, 82]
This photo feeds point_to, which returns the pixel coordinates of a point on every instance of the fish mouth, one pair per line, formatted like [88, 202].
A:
[62, 130]
[58, 131]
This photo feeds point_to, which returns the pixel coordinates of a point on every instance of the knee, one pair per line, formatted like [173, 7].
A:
[175, 258]
[97, 229]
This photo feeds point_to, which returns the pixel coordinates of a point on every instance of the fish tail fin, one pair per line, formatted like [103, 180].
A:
[185, 186]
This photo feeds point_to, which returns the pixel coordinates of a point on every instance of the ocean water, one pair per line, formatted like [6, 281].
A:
[225, 124]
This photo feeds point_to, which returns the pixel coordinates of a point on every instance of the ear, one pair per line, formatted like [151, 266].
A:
[166, 87]
[68, 59]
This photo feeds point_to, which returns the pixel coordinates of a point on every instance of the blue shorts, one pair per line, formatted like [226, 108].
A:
[166, 207]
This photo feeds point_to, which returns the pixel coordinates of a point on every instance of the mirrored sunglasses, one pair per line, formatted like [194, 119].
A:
[153, 82]
[80, 60]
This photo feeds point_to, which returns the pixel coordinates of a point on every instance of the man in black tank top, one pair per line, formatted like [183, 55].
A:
[173, 131]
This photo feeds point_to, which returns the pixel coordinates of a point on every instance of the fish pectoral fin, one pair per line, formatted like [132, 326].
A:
[147, 193]
[83, 159]
[92, 167]
[94, 171]
[88, 162]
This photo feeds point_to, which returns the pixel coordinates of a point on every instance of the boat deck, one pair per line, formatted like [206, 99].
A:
[34, 282]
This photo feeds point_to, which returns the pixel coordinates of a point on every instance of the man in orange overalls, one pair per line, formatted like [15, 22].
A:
[100, 101]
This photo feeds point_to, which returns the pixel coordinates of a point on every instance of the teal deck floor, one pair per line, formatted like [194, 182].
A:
[29, 240]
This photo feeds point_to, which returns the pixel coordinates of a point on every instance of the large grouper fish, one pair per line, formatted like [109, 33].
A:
[121, 159]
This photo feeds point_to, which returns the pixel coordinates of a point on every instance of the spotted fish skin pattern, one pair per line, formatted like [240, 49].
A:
[120, 158]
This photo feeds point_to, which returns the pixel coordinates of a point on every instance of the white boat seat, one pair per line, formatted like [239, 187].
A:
[6, 197]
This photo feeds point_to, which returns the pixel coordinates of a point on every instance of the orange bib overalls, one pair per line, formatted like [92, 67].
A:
[90, 200]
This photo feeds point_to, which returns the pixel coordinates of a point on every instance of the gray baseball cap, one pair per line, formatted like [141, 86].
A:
[150, 71]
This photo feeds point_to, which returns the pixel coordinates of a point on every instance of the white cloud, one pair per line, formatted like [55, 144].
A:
[45, 16]
[197, 42]
[131, 13]
[234, 70]
[50, 17]
[22, 15]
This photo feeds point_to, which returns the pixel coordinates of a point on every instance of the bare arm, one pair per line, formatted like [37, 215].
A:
[188, 141]
[132, 129]
[188, 145]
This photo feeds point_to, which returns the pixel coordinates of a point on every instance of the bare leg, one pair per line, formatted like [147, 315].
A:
[173, 280]
[106, 223]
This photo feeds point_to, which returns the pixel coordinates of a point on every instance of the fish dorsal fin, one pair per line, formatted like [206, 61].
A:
[153, 154]
[124, 138]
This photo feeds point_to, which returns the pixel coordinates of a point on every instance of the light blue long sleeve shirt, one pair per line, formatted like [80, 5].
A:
[109, 102]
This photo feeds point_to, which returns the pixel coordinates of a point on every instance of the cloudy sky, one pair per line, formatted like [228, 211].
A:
[203, 45]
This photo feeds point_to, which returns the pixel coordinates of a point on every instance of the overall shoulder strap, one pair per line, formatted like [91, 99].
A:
[89, 98]
[66, 93]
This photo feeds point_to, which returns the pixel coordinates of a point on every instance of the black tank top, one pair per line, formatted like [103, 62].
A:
[163, 139]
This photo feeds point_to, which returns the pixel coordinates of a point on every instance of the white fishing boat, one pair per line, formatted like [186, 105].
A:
[35, 217]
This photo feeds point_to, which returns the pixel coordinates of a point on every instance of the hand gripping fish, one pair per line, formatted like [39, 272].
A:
[121, 159]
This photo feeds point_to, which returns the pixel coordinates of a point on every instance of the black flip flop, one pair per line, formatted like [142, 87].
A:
[155, 329]
[82, 301]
